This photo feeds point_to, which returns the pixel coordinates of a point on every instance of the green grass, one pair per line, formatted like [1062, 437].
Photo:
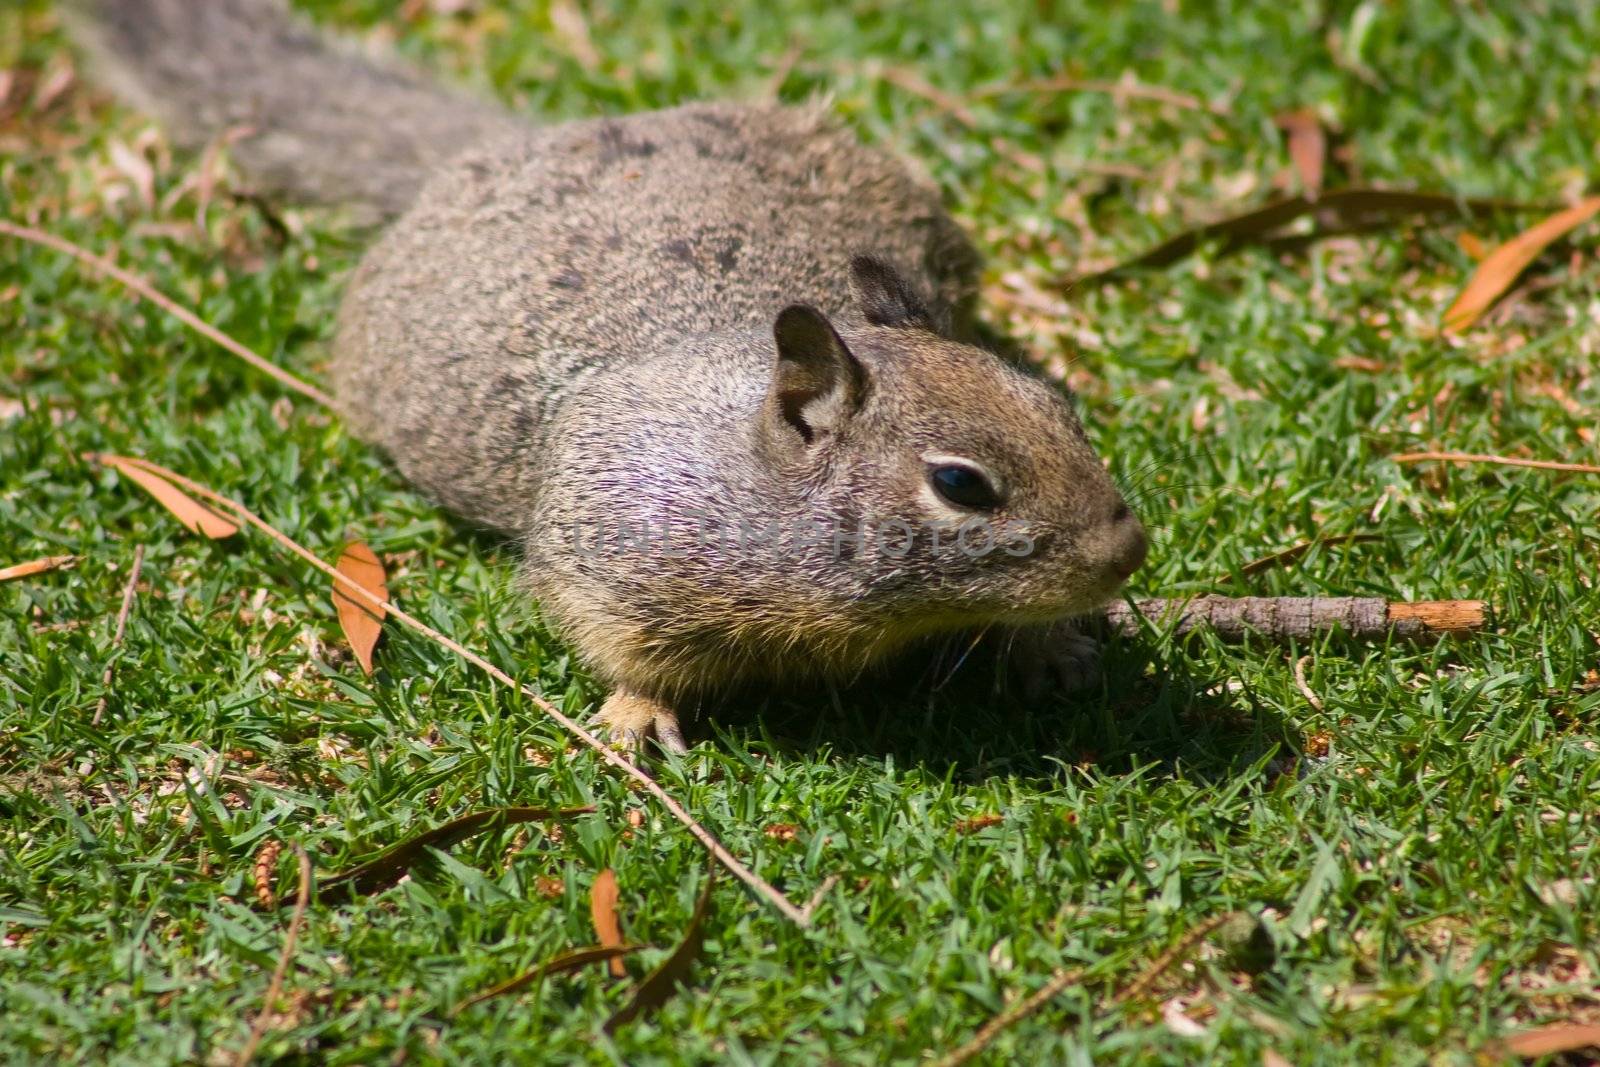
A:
[1411, 877]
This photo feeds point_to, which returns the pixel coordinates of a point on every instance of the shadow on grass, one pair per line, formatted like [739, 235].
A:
[972, 724]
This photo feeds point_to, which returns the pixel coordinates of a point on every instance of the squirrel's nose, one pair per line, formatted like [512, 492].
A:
[1129, 546]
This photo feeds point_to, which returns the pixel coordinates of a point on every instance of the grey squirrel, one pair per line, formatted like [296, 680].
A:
[711, 365]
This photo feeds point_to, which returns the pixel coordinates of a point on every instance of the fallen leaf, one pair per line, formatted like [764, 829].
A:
[567, 961]
[136, 169]
[1548, 1040]
[1308, 147]
[1341, 211]
[392, 864]
[36, 566]
[979, 822]
[1179, 1023]
[195, 516]
[361, 622]
[572, 33]
[1295, 551]
[1269, 1058]
[603, 909]
[781, 831]
[659, 984]
[1502, 266]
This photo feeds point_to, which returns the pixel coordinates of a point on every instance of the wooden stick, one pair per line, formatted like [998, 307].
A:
[1281, 618]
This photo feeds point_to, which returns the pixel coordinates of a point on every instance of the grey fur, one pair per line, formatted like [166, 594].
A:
[574, 324]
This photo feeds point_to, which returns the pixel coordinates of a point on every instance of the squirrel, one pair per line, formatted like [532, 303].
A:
[714, 366]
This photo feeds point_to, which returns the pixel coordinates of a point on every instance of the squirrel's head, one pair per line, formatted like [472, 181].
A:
[963, 489]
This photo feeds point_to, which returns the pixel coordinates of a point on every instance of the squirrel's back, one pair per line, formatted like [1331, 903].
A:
[536, 260]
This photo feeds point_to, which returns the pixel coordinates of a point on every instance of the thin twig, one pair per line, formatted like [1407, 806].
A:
[258, 1029]
[1508, 461]
[1062, 979]
[991, 1029]
[1123, 90]
[915, 84]
[354, 590]
[165, 303]
[1304, 686]
[129, 588]
[1162, 963]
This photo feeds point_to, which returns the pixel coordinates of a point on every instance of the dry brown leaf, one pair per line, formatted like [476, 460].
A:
[976, 823]
[136, 169]
[572, 32]
[1502, 266]
[1548, 1040]
[195, 516]
[395, 862]
[361, 622]
[673, 971]
[1269, 1058]
[603, 909]
[35, 566]
[1308, 147]
[1354, 210]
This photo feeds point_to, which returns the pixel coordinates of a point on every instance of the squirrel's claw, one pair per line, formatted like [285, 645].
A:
[632, 719]
[1057, 657]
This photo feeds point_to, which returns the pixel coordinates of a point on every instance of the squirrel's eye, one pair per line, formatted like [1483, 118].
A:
[963, 487]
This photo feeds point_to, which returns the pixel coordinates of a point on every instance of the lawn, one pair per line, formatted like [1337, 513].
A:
[1415, 829]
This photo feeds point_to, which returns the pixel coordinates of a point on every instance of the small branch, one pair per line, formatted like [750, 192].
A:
[182, 314]
[1062, 979]
[816, 898]
[258, 1029]
[1163, 963]
[1305, 686]
[1505, 461]
[355, 591]
[1282, 618]
[911, 82]
[129, 588]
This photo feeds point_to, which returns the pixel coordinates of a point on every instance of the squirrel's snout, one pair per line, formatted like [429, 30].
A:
[1126, 542]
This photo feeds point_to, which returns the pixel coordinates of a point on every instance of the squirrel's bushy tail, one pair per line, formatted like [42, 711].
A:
[327, 123]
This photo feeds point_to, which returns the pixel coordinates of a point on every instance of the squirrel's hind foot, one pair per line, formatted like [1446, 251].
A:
[632, 719]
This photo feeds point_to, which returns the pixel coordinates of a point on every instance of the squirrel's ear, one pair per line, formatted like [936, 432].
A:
[884, 295]
[817, 384]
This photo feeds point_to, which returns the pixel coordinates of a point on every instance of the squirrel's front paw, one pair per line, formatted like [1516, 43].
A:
[1054, 657]
[632, 719]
